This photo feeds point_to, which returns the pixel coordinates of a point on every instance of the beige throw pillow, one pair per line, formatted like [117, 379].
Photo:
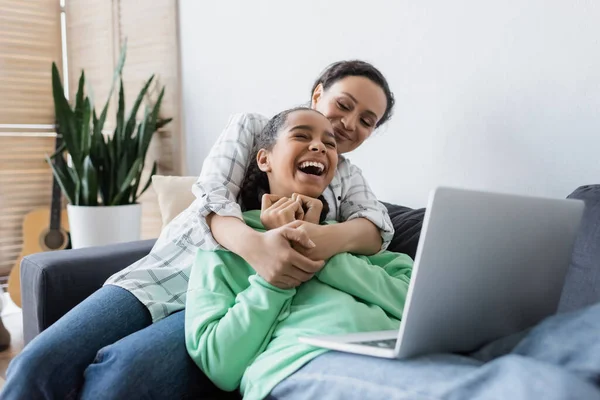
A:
[174, 194]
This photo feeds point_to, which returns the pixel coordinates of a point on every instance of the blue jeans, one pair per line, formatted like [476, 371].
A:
[558, 359]
[108, 348]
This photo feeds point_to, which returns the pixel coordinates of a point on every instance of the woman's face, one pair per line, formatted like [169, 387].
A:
[304, 158]
[354, 105]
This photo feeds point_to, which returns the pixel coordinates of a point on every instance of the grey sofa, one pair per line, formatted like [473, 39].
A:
[54, 282]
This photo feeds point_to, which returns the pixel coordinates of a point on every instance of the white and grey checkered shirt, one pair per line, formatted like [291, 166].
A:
[160, 279]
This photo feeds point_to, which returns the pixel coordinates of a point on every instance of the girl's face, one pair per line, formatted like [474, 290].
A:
[304, 158]
[354, 105]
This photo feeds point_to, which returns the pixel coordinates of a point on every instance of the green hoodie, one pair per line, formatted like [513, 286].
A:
[243, 332]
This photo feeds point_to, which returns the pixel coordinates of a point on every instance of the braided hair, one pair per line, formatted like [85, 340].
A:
[256, 182]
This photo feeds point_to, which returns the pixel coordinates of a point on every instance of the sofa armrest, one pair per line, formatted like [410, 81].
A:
[52, 283]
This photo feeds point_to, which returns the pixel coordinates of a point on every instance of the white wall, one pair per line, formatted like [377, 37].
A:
[501, 95]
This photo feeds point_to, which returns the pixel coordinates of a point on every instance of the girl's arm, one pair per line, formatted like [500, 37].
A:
[381, 280]
[230, 316]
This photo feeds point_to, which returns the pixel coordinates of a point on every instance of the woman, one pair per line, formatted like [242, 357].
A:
[134, 325]
[242, 331]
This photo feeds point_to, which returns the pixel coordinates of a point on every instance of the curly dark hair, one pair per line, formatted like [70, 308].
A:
[341, 69]
[256, 182]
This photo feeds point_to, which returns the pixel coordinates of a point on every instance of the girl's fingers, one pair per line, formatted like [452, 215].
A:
[278, 204]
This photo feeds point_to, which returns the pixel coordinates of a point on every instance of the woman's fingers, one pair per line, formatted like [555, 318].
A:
[292, 281]
[298, 274]
[305, 263]
[292, 233]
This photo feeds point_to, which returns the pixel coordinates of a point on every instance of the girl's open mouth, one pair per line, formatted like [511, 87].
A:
[312, 168]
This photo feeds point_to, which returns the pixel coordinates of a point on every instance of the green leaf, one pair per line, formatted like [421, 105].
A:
[119, 136]
[77, 190]
[131, 120]
[162, 122]
[122, 170]
[58, 151]
[64, 180]
[150, 127]
[86, 138]
[142, 132]
[79, 100]
[147, 185]
[120, 132]
[65, 117]
[134, 173]
[137, 182]
[89, 183]
[119, 67]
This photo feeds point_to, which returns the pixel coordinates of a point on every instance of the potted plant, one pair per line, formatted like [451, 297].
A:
[102, 179]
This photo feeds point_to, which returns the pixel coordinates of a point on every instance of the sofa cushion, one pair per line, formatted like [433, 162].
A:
[582, 284]
[407, 228]
[174, 194]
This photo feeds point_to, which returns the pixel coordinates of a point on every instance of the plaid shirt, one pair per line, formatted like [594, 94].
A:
[160, 279]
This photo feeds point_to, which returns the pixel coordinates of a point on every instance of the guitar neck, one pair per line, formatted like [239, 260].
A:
[56, 206]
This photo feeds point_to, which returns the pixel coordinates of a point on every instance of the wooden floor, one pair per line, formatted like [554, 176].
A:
[12, 319]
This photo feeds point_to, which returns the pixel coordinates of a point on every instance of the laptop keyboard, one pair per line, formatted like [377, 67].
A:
[386, 344]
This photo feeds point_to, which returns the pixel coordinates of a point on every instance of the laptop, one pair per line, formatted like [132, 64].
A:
[487, 265]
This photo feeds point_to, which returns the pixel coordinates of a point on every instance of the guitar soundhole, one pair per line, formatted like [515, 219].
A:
[54, 240]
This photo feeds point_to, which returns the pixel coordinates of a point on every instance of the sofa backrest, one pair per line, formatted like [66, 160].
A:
[582, 284]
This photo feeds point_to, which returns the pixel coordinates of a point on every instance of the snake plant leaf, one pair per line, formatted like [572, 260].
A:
[142, 132]
[89, 183]
[162, 122]
[147, 185]
[64, 116]
[77, 181]
[119, 67]
[125, 186]
[64, 179]
[131, 120]
[58, 151]
[135, 154]
[79, 96]
[120, 130]
[86, 138]
[150, 127]
[122, 171]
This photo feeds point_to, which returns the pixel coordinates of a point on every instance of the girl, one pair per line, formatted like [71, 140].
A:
[242, 330]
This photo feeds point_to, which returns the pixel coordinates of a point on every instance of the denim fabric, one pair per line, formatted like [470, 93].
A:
[582, 284]
[558, 359]
[107, 348]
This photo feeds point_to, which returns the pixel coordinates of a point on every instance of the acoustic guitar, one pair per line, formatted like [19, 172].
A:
[44, 229]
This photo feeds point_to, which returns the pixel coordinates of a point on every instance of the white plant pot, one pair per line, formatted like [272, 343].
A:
[98, 226]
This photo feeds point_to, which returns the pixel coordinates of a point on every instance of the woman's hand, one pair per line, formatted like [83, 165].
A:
[326, 245]
[272, 256]
[277, 211]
